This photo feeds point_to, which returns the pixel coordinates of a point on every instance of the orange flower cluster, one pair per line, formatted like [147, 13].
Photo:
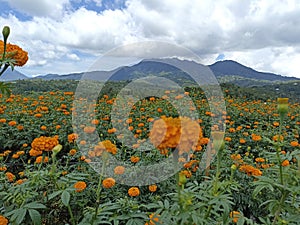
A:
[256, 137]
[41, 144]
[250, 170]
[102, 146]
[39, 159]
[235, 216]
[153, 218]
[80, 186]
[14, 52]
[169, 132]
[237, 158]
[72, 137]
[192, 165]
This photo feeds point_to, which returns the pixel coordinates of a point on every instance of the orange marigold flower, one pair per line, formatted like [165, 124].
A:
[250, 170]
[285, 162]
[277, 138]
[35, 153]
[10, 176]
[40, 158]
[235, 216]
[72, 152]
[20, 153]
[89, 129]
[169, 132]
[152, 188]
[38, 115]
[43, 127]
[260, 160]
[119, 170]
[44, 143]
[134, 191]
[14, 52]
[64, 173]
[79, 186]
[72, 137]
[3, 220]
[108, 146]
[112, 130]
[20, 127]
[242, 141]
[3, 168]
[134, 159]
[227, 139]
[294, 143]
[15, 156]
[12, 123]
[18, 182]
[256, 137]
[153, 218]
[108, 182]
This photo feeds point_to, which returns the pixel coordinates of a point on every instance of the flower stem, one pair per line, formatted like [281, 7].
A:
[71, 215]
[98, 192]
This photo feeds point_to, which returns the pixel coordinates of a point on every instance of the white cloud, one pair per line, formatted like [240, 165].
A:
[258, 33]
[41, 8]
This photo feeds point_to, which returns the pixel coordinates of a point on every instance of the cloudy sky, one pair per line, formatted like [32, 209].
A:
[64, 36]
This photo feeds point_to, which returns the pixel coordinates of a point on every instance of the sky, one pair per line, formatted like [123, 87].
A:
[67, 36]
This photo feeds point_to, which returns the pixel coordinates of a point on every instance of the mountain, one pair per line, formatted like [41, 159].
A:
[9, 75]
[233, 68]
[226, 71]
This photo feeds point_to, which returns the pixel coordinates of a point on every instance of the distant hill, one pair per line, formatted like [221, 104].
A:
[9, 75]
[226, 71]
[233, 68]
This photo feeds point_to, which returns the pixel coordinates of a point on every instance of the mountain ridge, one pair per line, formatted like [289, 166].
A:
[225, 71]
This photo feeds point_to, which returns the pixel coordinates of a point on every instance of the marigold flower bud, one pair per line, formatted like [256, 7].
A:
[56, 149]
[182, 179]
[233, 167]
[282, 105]
[5, 33]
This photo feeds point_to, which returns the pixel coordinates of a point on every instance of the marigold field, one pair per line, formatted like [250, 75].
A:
[46, 177]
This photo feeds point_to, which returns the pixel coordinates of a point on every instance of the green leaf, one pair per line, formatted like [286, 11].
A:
[35, 216]
[20, 215]
[35, 205]
[5, 89]
[65, 198]
[54, 194]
